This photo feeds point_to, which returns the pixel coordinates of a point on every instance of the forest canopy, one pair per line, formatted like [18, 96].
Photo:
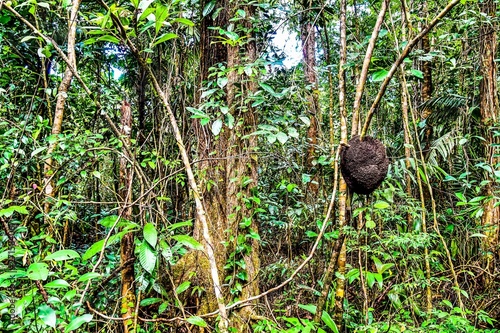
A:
[165, 167]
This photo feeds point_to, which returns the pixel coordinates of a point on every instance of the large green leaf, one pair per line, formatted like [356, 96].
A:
[198, 321]
[77, 322]
[62, 255]
[59, 283]
[47, 315]
[150, 234]
[88, 276]
[188, 241]
[161, 14]
[38, 271]
[147, 257]
[379, 75]
[7, 212]
[163, 38]
[183, 287]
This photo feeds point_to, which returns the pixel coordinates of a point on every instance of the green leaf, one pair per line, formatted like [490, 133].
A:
[267, 88]
[370, 224]
[370, 279]
[160, 16]
[109, 38]
[87, 276]
[308, 307]
[147, 257]
[38, 150]
[38, 271]
[183, 287]
[217, 126]
[184, 21]
[417, 73]
[27, 38]
[7, 212]
[188, 241]
[109, 222]
[327, 319]
[198, 321]
[177, 225]
[59, 283]
[150, 234]
[150, 301]
[381, 204]
[93, 250]
[144, 4]
[163, 38]
[77, 322]
[379, 75]
[282, 137]
[62, 255]
[222, 82]
[208, 8]
[305, 120]
[98, 246]
[47, 315]
[43, 5]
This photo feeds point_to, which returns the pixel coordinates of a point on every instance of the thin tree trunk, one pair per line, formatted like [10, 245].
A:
[62, 95]
[489, 108]
[338, 253]
[426, 86]
[128, 300]
[364, 70]
[308, 38]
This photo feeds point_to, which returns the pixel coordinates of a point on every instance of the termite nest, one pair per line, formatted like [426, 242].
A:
[364, 164]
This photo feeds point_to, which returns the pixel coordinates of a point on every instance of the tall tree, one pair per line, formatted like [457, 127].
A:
[227, 152]
[62, 95]
[128, 302]
[489, 108]
[308, 39]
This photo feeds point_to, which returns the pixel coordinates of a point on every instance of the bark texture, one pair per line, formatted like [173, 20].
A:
[127, 242]
[489, 108]
[229, 167]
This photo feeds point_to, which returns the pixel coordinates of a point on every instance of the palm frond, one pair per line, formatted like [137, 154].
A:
[442, 147]
[444, 108]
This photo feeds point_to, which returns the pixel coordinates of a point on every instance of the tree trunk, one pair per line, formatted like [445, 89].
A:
[127, 242]
[427, 86]
[229, 168]
[308, 37]
[489, 108]
[62, 94]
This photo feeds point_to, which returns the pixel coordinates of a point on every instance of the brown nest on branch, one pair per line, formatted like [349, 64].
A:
[363, 164]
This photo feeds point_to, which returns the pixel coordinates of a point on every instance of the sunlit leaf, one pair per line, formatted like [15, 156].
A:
[38, 271]
[198, 321]
[183, 287]
[184, 21]
[208, 8]
[57, 284]
[150, 234]
[379, 75]
[217, 126]
[188, 241]
[47, 315]
[77, 322]
[63, 255]
[163, 38]
[147, 257]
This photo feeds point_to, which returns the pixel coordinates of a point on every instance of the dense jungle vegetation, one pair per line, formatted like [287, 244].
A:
[167, 166]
